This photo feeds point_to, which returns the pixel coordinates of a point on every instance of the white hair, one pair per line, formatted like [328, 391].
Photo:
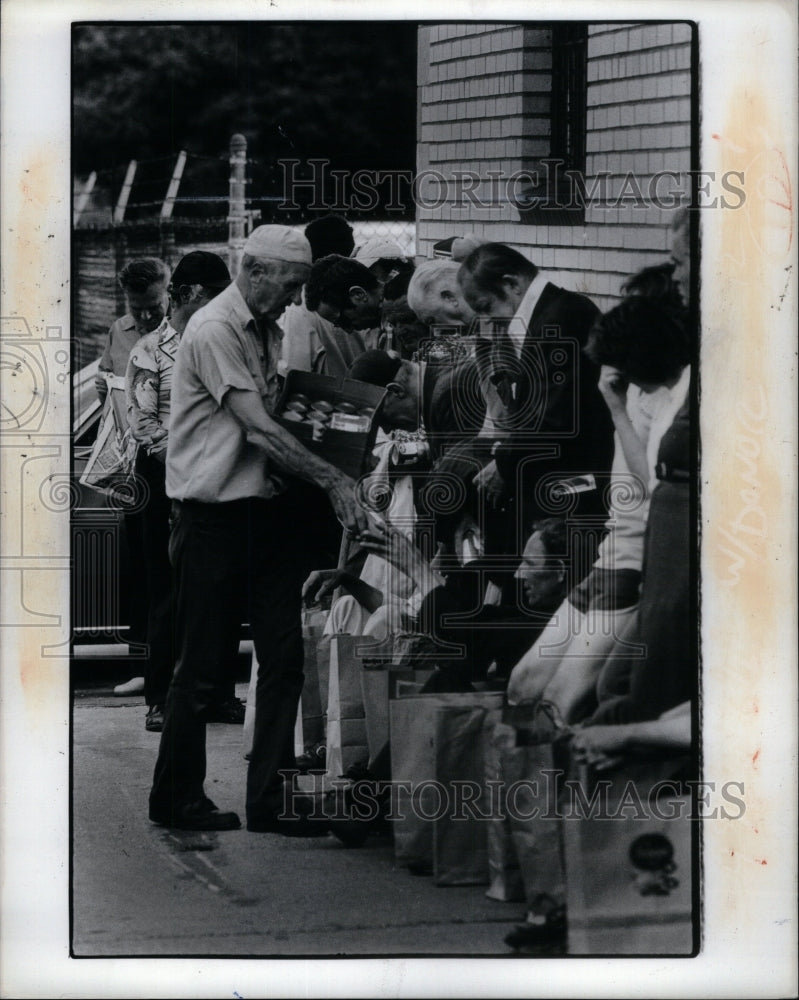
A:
[425, 277]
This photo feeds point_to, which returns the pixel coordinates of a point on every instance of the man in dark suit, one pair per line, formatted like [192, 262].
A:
[553, 444]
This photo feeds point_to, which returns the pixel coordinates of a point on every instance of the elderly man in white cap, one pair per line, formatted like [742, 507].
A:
[234, 540]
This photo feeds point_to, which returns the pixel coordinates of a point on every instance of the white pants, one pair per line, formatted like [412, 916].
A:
[564, 662]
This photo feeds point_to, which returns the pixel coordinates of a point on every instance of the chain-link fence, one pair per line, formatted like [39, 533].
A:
[99, 254]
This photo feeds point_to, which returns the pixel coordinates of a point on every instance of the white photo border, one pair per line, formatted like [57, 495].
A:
[748, 122]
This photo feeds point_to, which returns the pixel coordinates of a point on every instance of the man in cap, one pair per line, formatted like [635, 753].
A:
[198, 277]
[384, 257]
[234, 539]
[386, 260]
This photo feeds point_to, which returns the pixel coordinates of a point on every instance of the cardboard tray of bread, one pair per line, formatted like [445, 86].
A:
[336, 420]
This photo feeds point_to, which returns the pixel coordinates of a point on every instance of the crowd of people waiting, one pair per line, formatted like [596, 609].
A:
[534, 513]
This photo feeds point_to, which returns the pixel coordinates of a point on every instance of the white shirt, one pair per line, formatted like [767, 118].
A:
[517, 330]
[671, 400]
[208, 456]
[651, 414]
[623, 546]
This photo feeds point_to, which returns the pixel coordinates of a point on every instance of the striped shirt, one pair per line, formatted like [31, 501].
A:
[148, 386]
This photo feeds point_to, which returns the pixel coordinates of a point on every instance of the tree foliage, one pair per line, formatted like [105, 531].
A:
[343, 91]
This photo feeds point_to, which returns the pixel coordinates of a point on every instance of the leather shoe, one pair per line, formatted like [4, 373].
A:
[351, 819]
[230, 711]
[296, 817]
[313, 759]
[198, 815]
[539, 929]
[154, 722]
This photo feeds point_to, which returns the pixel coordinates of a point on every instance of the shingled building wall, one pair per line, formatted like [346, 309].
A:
[483, 106]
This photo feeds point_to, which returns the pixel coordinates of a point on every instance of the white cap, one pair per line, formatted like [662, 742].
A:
[463, 245]
[278, 243]
[378, 248]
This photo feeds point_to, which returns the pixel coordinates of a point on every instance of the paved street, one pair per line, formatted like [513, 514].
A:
[143, 890]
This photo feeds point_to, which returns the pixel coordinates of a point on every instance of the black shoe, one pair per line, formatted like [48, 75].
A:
[199, 815]
[313, 759]
[353, 818]
[350, 829]
[539, 930]
[358, 772]
[154, 722]
[230, 711]
[298, 817]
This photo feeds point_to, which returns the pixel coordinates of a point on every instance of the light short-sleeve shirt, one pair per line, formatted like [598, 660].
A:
[118, 345]
[314, 344]
[208, 456]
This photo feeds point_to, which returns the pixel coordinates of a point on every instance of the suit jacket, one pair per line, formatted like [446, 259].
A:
[453, 408]
[553, 405]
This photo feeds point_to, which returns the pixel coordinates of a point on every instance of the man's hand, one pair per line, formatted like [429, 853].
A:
[489, 482]
[346, 506]
[603, 747]
[613, 386]
[247, 409]
[389, 543]
[318, 585]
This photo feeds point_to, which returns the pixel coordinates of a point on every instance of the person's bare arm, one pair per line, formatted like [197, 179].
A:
[605, 746]
[613, 387]
[571, 689]
[287, 454]
[322, 582]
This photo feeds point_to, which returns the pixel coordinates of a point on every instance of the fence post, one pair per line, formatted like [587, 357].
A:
[174, 184]
[237, 204]
[83, 197]
[119, 240]
[124, 194]
[168, 246]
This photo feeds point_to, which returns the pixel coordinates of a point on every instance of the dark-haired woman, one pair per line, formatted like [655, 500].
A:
[646, 342]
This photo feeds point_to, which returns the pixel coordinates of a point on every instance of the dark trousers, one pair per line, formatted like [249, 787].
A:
[155, 554]
[135, 604]
[161, 648]
[667, 674]
[232, 561]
